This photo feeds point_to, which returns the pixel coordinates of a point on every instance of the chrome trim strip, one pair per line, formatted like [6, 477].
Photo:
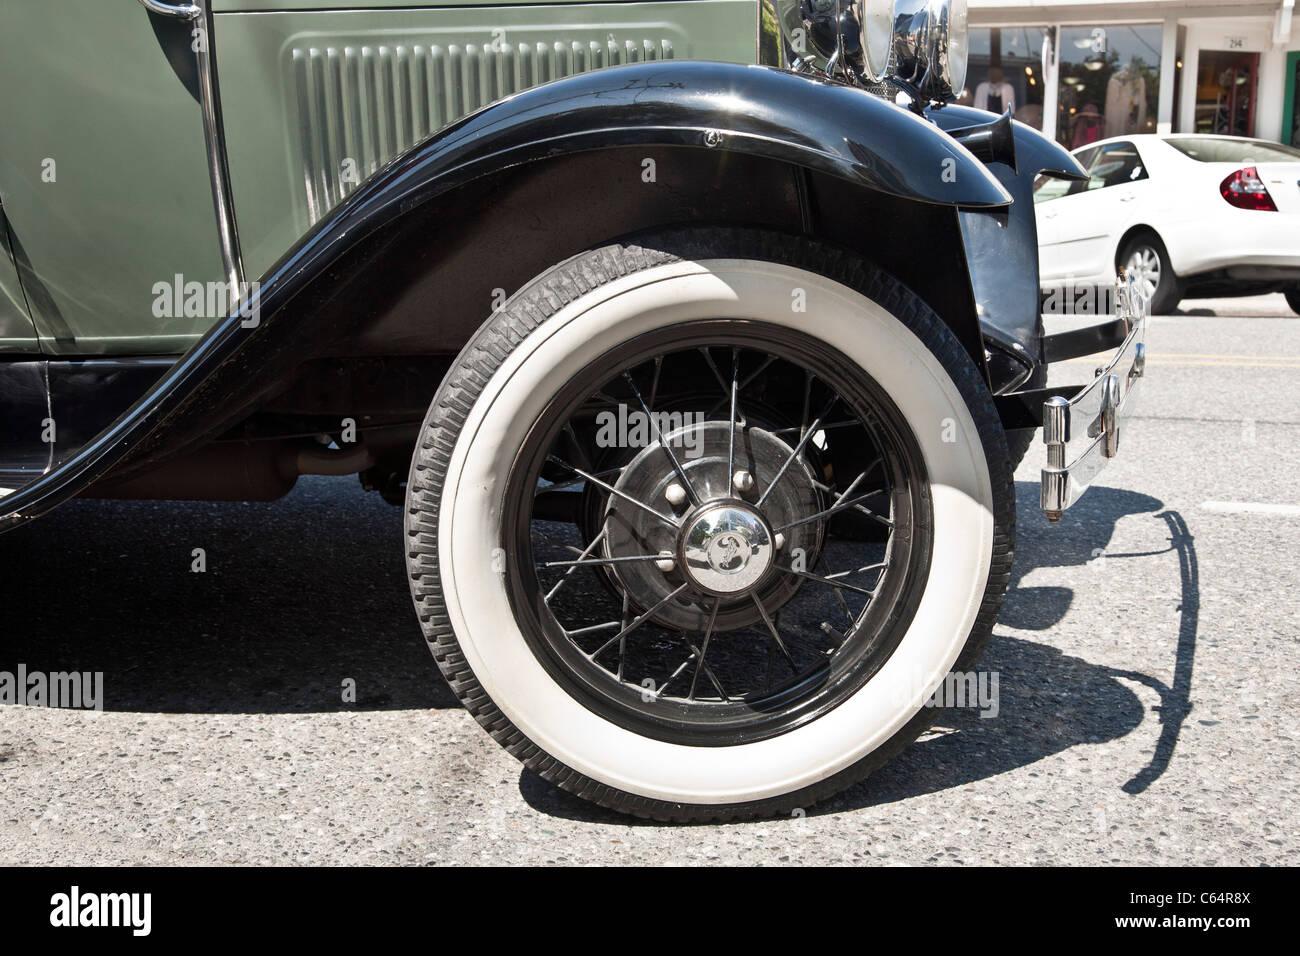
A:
[218, 169]
[1082, 434]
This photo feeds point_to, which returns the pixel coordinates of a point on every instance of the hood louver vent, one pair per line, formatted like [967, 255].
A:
[359, 106]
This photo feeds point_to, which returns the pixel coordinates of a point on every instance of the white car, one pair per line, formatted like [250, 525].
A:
[1186, 214]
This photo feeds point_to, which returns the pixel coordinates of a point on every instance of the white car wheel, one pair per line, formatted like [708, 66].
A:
[1144, 257]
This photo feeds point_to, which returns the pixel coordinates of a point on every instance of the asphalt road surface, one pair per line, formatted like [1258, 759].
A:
[1146, 658]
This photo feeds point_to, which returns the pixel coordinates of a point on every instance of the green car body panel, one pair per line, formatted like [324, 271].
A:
[17, 333]
[316, 101]
[104, 184]
[102, 175]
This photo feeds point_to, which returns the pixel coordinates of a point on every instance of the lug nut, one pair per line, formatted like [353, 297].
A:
[676, 495]
[779, 541]
[665, 562]
[742, 481]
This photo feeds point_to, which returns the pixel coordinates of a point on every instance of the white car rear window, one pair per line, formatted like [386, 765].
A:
[1213, 149]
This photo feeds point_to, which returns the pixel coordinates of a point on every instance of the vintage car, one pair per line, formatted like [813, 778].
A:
[697, 340]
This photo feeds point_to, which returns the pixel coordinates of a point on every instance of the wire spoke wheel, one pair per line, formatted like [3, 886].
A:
[723, 531]
[696, 554]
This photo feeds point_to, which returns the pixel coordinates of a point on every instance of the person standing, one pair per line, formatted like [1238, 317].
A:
[995, 94]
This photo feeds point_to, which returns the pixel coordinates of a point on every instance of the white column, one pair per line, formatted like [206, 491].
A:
[1187, 98]
[1270, 87]
[1168, 76]
[1052, 86]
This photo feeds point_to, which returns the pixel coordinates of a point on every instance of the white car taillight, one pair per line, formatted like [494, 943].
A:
[1245, 190]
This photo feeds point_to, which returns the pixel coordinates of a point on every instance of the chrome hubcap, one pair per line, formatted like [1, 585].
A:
[705, 507]
[1144, 266]
[727, 548]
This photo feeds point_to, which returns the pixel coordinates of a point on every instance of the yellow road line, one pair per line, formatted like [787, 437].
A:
[1166, 360]
[1212, 355]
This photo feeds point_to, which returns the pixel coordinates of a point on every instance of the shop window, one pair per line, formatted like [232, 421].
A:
[1109, 82]
[1225, 92]
[1005, 71]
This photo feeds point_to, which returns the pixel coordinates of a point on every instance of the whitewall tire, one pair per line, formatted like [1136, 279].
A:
[664, 759]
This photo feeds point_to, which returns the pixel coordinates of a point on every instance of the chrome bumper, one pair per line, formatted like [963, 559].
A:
[1082, 434]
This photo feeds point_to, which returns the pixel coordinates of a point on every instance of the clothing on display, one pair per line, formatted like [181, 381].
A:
[995, 97]
[1087, 127]
[1126, 102]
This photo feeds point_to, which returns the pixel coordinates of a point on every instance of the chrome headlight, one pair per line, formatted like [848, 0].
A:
[851, 34]
[820, 28]
[921, 42]
[868, 31]
[929, 45]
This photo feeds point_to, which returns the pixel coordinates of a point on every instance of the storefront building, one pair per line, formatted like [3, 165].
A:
[1085, 71]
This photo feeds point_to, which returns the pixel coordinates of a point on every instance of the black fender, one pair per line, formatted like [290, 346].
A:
[1002, 244]
[822, 126]
[816, 123]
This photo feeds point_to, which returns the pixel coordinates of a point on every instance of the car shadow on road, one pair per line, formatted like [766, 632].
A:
[1049, 701]
[298, 596]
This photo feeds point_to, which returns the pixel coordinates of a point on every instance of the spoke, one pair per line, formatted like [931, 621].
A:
[825, 428]
[840, 597]
[838, 498]
[811, 649]
[624, 620]
[839, 494]
[673, 676]
[654, 383]
[827, 629]
[731, 419]
[708, 358]
[591, 629]
[695, 655]
[677, 465]
[807, 401]
[612, 490]
[775, 636]
[708, 635]
[842, 504]
[812, 429]
[561, 485]
[861, 570]
[636, 623]
[833, 583]
[592, 562]
[762, 367]
[855, 504]
[577, 445]
[744, 384]
[581, 554]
